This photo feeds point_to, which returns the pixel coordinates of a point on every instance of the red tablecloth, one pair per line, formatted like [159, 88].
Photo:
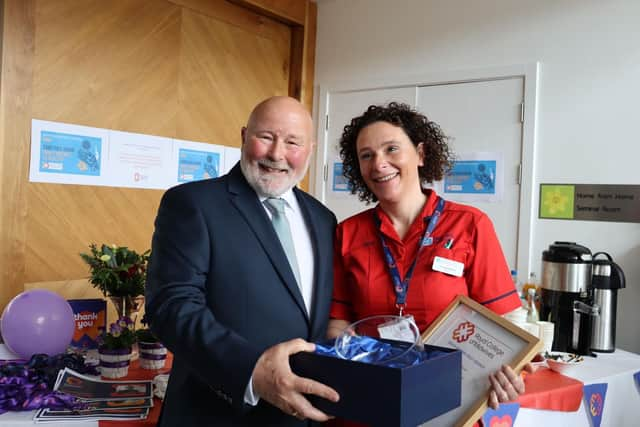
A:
[137, 373]
[547, 389]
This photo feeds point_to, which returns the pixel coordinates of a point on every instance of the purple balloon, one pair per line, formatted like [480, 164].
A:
[37, 321]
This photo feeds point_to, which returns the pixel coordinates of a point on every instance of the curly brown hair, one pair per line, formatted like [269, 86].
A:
[438, 157]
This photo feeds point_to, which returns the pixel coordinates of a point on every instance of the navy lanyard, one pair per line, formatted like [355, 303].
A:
[400, 287]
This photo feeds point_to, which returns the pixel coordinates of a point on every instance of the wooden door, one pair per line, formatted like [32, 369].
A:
[188, 69]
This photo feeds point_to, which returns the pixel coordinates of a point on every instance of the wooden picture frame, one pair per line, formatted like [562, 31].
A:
[487, 341]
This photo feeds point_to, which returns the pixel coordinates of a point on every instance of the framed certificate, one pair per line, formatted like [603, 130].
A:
[487, 341]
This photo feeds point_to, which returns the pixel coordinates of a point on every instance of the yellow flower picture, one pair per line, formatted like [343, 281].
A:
[556, 201]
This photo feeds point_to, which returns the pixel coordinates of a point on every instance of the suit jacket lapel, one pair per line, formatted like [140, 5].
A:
[249, 206]
[323, 253]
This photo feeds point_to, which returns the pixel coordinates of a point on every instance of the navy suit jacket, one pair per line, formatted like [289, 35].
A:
[220, 291]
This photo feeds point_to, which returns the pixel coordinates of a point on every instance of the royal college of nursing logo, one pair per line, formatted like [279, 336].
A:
[464, 331]
[595, 404]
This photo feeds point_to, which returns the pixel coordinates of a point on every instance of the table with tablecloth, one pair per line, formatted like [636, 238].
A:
[552, 399]
[21, 419]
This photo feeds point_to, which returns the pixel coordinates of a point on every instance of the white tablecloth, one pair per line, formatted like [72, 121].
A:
[622, 401]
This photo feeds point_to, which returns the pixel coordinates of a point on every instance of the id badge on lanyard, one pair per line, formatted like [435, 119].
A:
[402, 329]
[400, 286]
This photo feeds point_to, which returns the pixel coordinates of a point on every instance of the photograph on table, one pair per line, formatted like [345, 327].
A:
[85, 387]
[487, 341]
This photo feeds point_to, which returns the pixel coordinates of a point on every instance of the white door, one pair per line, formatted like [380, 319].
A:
[479, 116]
[485, 117]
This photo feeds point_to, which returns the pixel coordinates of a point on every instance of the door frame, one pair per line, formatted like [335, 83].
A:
[529, 72]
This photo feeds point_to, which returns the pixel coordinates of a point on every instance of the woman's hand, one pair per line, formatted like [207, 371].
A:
[506, 385]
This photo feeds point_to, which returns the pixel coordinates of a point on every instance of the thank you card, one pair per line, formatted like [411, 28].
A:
[91, 319]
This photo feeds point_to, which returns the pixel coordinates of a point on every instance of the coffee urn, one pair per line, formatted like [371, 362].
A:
[565, 296]
[608, 277]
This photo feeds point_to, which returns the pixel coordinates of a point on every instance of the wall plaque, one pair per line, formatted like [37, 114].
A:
[590, 202]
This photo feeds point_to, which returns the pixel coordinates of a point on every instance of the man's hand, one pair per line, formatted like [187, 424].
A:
[506, 386]
[274, 382]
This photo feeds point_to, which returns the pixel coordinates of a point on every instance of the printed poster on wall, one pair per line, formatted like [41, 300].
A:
[139, 161]
[337, 185]
[475, 177]
[339, 182]
[196, 160]
[64, 153]
[68, 154]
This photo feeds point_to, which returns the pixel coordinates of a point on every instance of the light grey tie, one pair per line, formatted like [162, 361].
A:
[281, 225]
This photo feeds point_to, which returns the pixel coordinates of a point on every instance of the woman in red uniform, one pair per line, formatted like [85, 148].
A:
[385, 257]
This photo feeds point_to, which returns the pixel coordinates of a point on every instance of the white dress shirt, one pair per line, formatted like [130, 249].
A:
[302, 243]
[304, 254]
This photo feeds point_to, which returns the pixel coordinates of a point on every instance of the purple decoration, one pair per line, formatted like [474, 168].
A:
[37, 321]
[150, 345]
[151, 356]
[119, 364]
[27, 385]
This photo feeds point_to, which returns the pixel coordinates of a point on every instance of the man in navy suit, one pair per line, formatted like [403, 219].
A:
[223, 295]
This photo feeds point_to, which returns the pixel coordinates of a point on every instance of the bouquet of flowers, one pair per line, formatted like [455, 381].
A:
[116, 270]
[121, 335]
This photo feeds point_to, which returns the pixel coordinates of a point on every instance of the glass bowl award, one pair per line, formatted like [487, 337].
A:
[380, 340]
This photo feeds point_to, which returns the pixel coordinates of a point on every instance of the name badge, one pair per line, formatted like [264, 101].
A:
[403, 329]
[448, 266]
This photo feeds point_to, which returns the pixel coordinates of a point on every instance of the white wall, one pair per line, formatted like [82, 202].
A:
[589, 91]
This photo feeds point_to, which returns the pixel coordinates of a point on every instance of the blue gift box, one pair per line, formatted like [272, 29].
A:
[383, 396]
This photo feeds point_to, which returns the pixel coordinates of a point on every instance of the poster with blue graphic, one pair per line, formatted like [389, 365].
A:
[194, 165]
[70, 154]
[340, 183]
[474, 177]
[194, 161]
[471, 177]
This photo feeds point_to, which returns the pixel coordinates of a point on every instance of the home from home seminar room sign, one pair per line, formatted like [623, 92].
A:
[615, 203]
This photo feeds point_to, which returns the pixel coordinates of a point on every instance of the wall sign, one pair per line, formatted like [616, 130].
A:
[615, 203]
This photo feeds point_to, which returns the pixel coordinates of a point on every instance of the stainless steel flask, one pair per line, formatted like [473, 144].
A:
[608, 277]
